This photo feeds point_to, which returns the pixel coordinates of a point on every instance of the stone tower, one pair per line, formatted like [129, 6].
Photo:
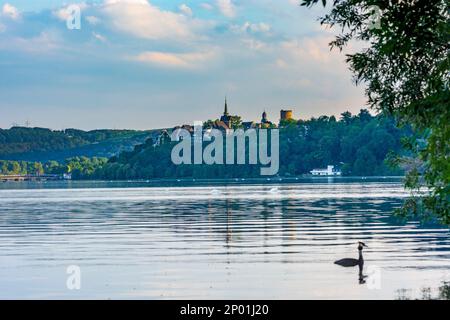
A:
[285, 114]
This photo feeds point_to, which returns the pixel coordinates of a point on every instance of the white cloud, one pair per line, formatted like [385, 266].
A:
[280, 63]
[185, 9]
[227, 8]
[310, 49]
[93, 20]
[45, 42]
[142, 19]
[175, 60]
[206, 6]
[260, 27]
[254, 44]
[99, 37]
[10, 11]
[64, 13]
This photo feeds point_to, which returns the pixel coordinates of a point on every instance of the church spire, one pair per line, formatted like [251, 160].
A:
[225, 112]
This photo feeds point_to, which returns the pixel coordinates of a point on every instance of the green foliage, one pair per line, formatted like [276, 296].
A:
[79, 167]
[405, 67]
[360, 143]
[235, 121]
[39, 144]
[83, 167]
[20, 167]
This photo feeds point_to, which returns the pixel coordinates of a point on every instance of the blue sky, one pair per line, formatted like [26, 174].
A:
[151, 64]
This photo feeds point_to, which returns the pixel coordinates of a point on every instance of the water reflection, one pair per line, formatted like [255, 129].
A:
[427, 293]
[189, 242]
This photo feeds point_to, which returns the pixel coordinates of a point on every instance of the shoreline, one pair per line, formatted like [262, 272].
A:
[192, 182]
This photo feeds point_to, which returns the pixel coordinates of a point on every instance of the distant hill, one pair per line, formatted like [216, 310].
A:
[359, 144]
[41, 144]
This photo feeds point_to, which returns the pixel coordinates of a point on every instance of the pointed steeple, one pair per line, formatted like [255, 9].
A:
[225, 112]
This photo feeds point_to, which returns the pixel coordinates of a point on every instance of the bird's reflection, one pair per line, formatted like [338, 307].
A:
[361, 276]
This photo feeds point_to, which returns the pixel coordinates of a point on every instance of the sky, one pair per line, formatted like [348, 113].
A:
[142, 64]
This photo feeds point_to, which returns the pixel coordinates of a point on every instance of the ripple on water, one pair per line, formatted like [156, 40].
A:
[258, 241]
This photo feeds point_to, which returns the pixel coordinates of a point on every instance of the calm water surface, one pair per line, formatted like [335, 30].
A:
[262, 241]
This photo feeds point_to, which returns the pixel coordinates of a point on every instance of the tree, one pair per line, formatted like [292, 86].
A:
[346, 117]
[405, 67]
[38, 168]
[235, 122]
[365, 162]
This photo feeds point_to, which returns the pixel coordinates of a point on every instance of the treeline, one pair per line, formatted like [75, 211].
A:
[359, 144]
[20, 167]
[42, 145]
[79, 167]
[18, 140]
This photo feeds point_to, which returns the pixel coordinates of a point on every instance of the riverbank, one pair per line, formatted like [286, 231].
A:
[190, 182]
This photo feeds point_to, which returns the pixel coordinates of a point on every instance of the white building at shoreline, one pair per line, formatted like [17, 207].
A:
[329, 171]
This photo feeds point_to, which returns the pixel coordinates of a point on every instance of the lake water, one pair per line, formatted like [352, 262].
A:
[198, 240]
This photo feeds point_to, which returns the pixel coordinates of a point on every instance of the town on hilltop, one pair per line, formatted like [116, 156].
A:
[228, 121]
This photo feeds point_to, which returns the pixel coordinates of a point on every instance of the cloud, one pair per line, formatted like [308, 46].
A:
[169, 54]
[206, 6]
[185, 9]
[93, 20]
[227, 8]
[144, 20]
[64, 13]
[45, 42]
[254, 44]
[309, 49]
[260, 27]
[99, 37]
[175, 60]
[10, 11]
[295, 2]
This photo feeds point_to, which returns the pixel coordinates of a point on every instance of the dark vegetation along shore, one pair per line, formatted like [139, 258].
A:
[43, 145]
[359, 144]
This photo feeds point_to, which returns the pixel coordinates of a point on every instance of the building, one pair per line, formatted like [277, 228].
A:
[249, 125]
[162, 138]
[186, 127]
[67, 176]
[264, 122]
[225, 118]
[226, 122]
[285, 114]
[329, 171]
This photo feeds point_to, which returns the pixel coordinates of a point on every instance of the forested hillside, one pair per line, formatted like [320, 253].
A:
[359, 144]
[40, 144]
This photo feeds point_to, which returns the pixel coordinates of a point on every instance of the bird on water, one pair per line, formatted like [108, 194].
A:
[350, 262]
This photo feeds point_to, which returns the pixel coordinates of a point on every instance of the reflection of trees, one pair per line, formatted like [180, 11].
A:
[229, 223]
[427, 293]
